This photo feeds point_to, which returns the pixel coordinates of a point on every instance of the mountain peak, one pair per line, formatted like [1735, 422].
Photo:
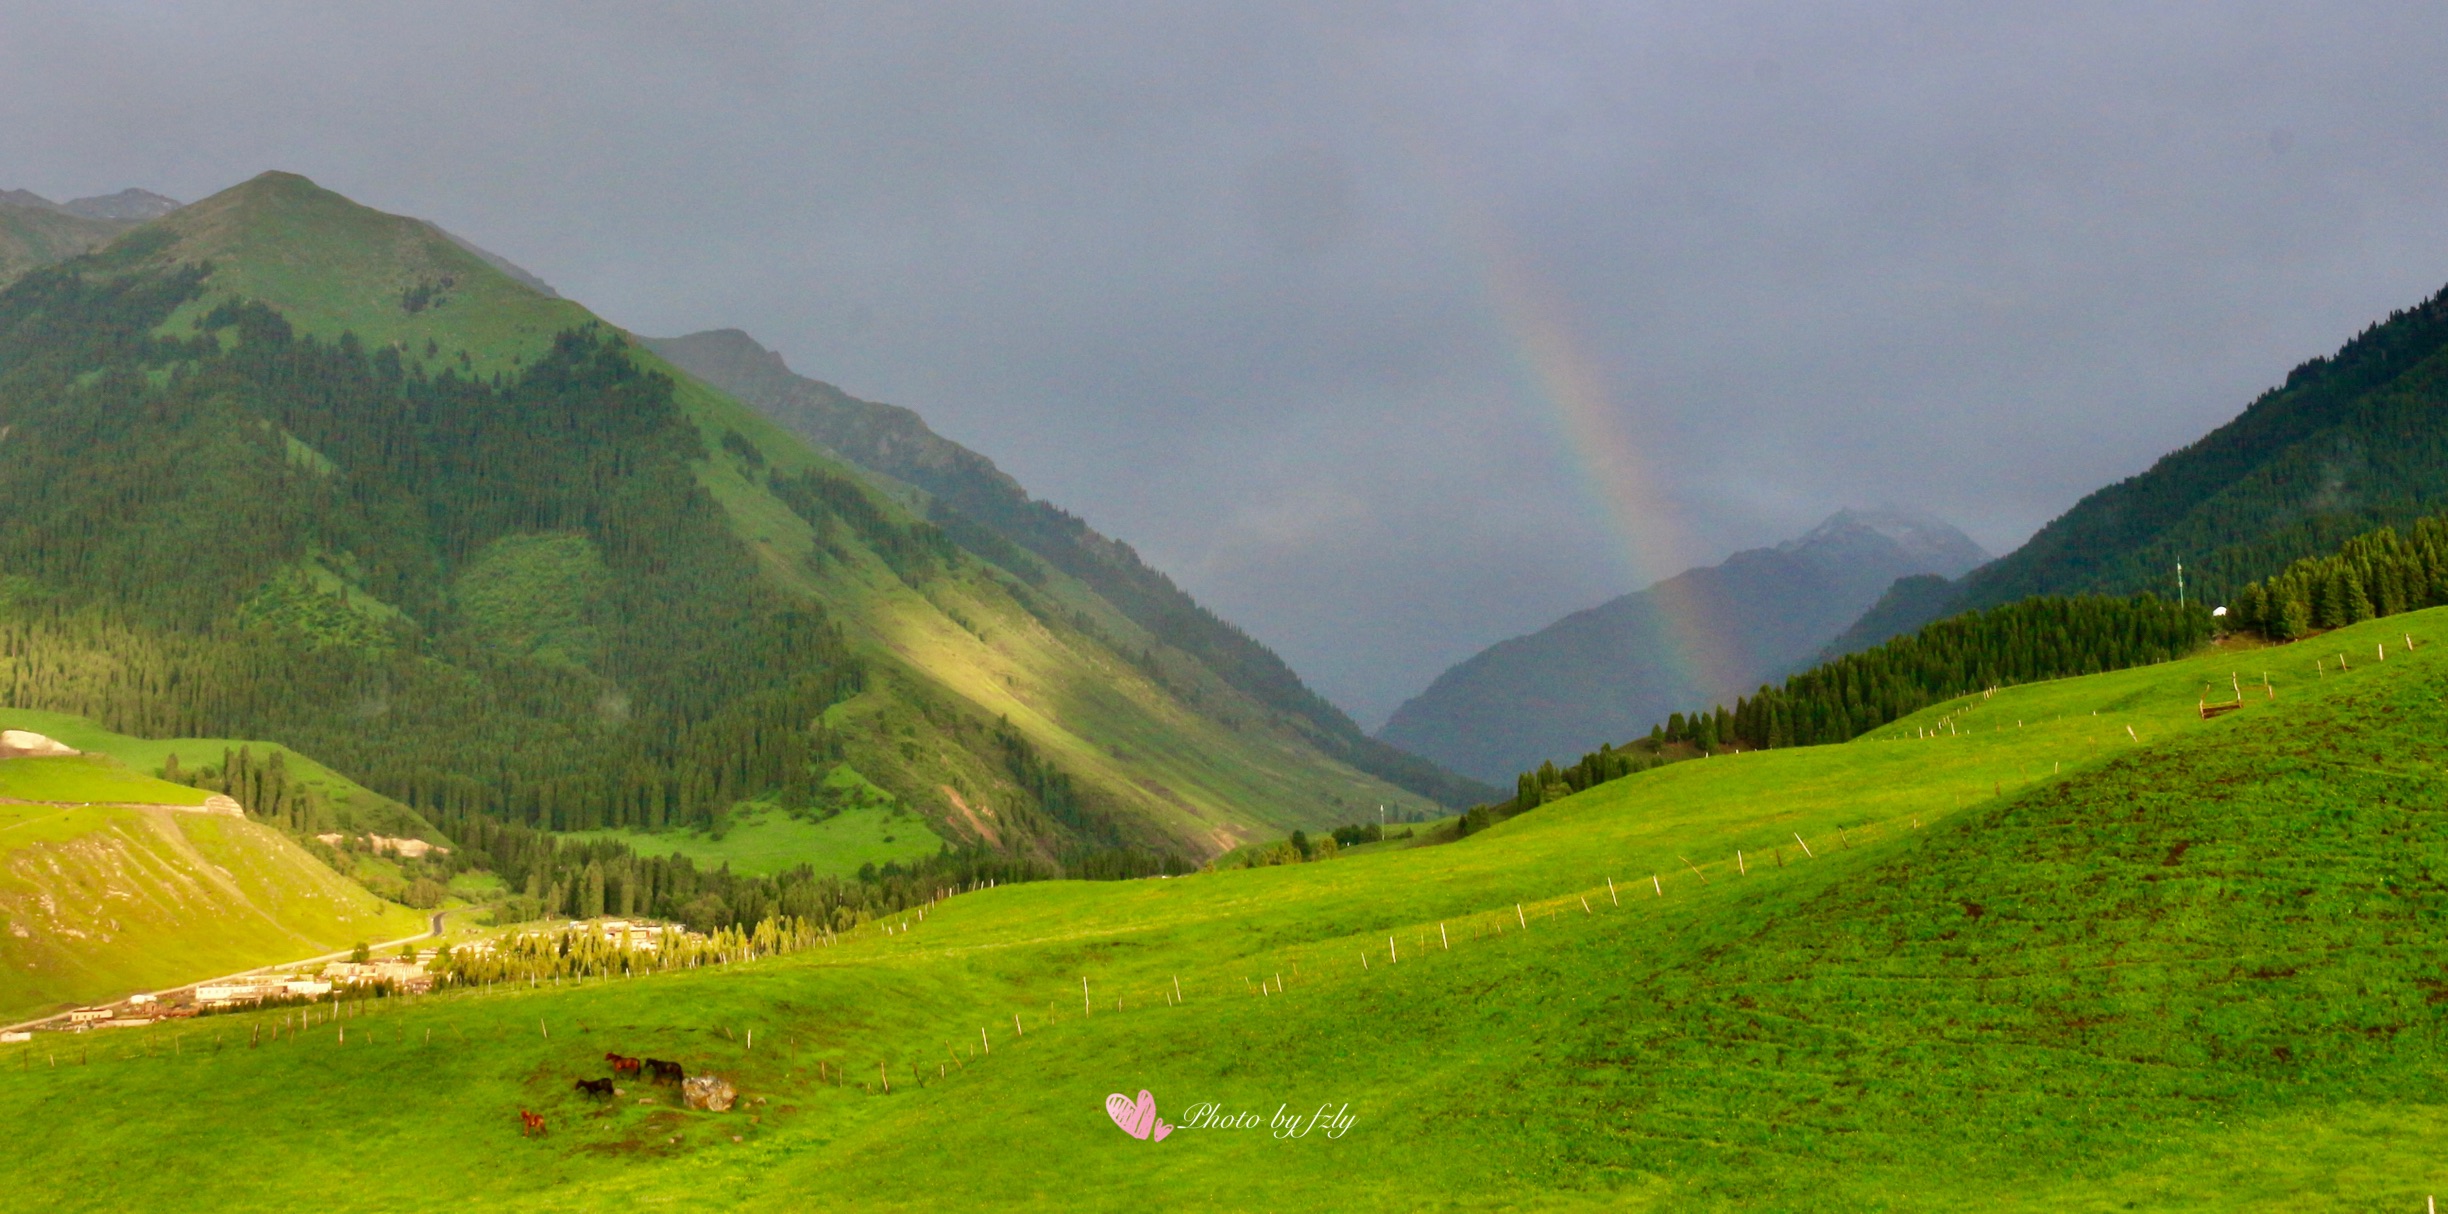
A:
[334, 264]
[1606, 674]
[1928, 542]
[126, 206]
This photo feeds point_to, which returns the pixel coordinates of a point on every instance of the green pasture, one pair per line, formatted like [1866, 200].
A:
[86, 779]
[2064, 947]
[364, 807]
[763, 840]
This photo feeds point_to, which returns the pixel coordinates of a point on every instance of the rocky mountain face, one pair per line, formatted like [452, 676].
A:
[1701, 637]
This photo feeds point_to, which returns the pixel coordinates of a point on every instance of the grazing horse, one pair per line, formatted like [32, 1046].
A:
[663, 1072]
[530, 1123]
[595, 1087]
[622, 1064]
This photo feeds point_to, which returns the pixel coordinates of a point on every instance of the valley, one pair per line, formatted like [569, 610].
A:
[2034, 935]
[542, 734]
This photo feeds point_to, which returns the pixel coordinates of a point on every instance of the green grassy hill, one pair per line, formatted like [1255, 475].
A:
[35, 233]
[96, 903]
[2067, 946]
[100, 897]
[87, 779]
[461, 540]
[354, 808]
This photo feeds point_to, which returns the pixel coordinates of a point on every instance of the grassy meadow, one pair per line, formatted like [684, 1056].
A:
[2064, 947]
[764, 840]
[145, 757]
[87, 778]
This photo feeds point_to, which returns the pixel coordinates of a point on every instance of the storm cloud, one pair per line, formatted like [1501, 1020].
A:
[1226, 279]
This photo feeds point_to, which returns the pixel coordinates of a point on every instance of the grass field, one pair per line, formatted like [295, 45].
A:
[2079, 950]
[764, 840]
[88, 779]
[362, 808]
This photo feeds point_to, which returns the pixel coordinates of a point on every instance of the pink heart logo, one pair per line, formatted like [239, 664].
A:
[1137, 1117]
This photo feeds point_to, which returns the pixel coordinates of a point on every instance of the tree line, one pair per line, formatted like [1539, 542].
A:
[2022, 642]
[2379, 573]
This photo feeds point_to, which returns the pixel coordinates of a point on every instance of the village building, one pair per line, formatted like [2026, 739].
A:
[400, 974]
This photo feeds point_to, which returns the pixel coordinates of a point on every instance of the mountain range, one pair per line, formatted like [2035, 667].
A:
[1704, 636]
[287, 467]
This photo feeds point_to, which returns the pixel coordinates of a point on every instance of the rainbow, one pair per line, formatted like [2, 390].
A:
[1557, 370]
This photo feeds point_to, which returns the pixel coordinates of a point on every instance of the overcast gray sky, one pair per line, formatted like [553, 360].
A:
[1325, 308]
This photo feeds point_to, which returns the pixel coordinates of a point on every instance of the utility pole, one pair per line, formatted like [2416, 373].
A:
[2180, 597]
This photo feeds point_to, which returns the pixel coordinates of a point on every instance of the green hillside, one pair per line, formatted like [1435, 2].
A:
[2066, 946]
[99, 900]
[96, 903]
[36, 233]
[287, 467]
[348, 806]
[87, 779]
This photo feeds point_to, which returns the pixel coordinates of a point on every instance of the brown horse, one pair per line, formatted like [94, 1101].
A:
[530, 1123]
[622, 1064]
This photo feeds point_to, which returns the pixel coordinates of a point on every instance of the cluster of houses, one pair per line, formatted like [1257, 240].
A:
[385, 845]
[402, 974]
[135, 1011]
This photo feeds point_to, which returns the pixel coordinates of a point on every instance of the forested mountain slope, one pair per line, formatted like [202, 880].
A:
[1703, 636]
[982, 508]
[2352, 441]
[283, 466]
